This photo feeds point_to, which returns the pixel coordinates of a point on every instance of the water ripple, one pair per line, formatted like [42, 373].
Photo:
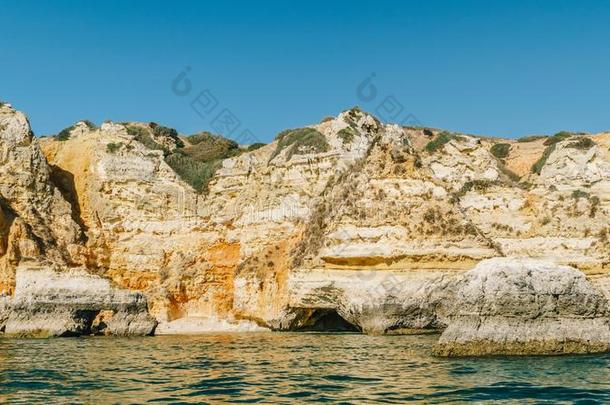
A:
[285, 368]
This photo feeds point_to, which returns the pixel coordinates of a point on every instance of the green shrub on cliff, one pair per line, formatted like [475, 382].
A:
[197, 174]
[476, 185]
[194, 163]
[512, 176]
[146, 135]
[531, 138]
[347, 135]
[500, 150]
[551, 145]
[199, 137]
[143, 135]
[64, 134]
[582, 144]
[558, 137]
[89, 124]
[256, 146]
[595, 201]
[300, 141]
[440, 141]
[205, 146]
[577, 194]
[113, 147]
[197, 163]
[537, 167]
[161, 131]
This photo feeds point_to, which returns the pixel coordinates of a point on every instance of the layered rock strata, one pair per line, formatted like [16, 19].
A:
[376, 302]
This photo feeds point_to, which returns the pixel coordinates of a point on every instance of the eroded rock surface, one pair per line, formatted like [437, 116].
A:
[376, 302]
[51, 303]
[525, 306]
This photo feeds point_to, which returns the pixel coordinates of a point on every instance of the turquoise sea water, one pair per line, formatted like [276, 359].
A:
[284, 367]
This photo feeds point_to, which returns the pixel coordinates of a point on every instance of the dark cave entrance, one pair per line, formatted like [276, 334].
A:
[325, 320]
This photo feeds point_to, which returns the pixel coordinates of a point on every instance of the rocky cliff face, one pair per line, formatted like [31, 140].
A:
[43, 253]
[35, 220]
[349, 221]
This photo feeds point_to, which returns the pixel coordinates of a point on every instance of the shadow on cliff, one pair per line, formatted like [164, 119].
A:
[64, 181]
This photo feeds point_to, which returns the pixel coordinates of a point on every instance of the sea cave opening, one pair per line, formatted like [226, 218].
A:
[325, 320]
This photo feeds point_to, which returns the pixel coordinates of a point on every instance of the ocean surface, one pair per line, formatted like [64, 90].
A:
[285, 368]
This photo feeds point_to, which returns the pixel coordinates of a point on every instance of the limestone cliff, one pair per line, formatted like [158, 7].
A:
[42, 242]
[348, 218]
[35, 220]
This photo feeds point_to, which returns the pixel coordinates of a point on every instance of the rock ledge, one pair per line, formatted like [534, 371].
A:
[71, 303]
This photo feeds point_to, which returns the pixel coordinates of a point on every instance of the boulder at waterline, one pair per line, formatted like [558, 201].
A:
[517, 306]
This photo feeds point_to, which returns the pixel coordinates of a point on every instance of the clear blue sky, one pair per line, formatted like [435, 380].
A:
[485, 67]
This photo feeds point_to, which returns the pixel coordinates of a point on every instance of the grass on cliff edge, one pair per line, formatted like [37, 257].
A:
[537, 167]
[347, 135]
[195, 163]
[551, 145]
[198, 162]
[196, 173]
[558, 137]
[500, 150]
[300, 141]
[161, 131]
[255, 146]
[440, 141]
[144, 136]
[582, 144]
[64, 134]
[205, 146]
[531, 138]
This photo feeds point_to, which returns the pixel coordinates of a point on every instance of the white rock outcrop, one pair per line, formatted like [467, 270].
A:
[377, 302]
[525, 306]
[198, 325]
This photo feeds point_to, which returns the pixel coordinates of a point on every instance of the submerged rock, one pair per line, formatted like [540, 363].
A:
[510, 306]
[196, 325]
[49, 303]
